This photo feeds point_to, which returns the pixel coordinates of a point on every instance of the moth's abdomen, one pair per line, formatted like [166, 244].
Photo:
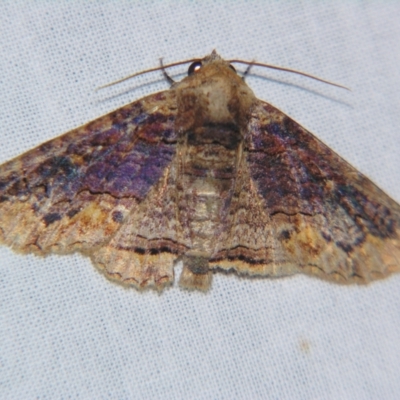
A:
[205, 183]
[207, 176]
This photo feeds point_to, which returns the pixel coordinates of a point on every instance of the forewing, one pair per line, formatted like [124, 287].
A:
[75, 192]
[319, 214]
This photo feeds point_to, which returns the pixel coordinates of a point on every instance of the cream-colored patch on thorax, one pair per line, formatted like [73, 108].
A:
[215, 94]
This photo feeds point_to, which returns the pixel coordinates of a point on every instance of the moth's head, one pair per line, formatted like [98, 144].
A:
[210, 66]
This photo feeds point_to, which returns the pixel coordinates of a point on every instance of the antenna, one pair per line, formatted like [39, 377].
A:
[248, 63]
[161, 67]
[251, 63]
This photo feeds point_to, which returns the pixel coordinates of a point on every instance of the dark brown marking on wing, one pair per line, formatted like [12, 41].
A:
[322, 182]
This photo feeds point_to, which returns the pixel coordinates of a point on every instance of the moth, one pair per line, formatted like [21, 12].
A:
[207, 174]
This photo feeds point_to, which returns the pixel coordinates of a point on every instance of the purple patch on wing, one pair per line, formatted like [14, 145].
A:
[283, 172]
[136, 162]
[140, 170]
[125, 155]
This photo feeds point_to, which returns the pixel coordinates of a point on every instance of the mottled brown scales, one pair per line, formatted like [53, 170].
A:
[207, 174]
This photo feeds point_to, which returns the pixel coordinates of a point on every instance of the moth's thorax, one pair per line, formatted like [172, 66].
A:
[213, 95]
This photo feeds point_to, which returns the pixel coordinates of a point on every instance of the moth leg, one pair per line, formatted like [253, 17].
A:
[166, 76]
[196, 274]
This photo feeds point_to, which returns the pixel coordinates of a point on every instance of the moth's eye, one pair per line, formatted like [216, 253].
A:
[232, 68]
[194, 67]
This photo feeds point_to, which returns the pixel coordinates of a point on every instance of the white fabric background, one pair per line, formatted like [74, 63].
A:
[67, 332]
